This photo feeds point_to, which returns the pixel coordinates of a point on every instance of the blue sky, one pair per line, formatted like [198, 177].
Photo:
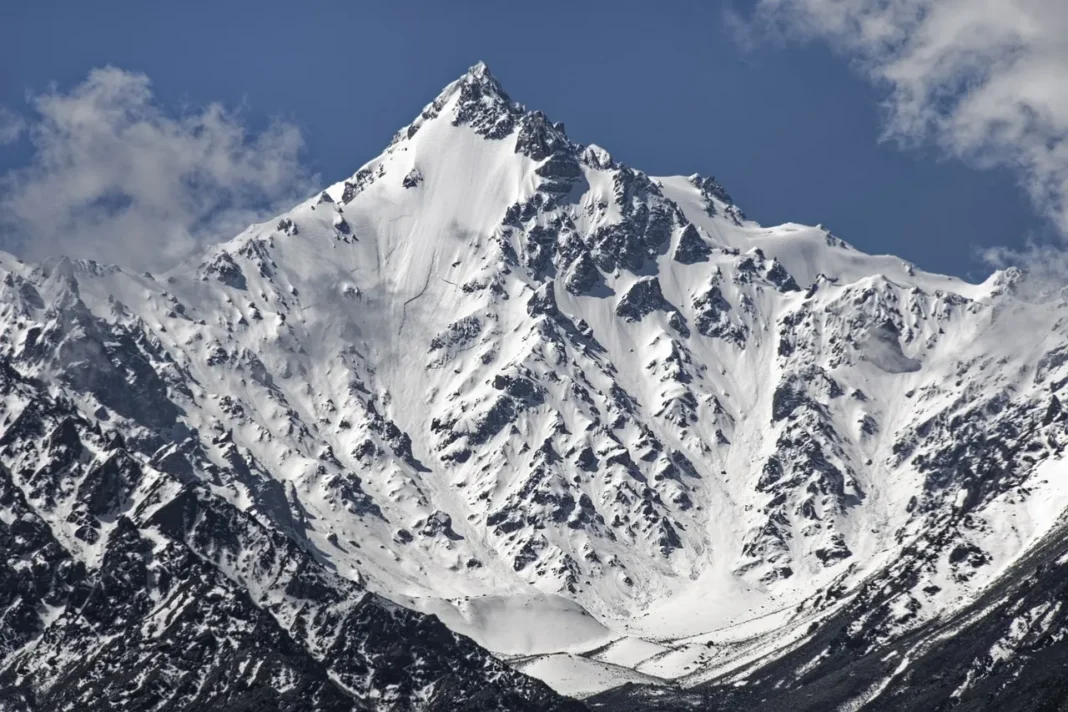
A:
[790, 127]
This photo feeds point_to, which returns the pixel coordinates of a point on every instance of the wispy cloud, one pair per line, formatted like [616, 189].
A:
[986, 80]
[116, 178]
[11, 126]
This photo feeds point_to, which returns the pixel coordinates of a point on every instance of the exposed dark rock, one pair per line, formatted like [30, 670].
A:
[691, 248]
[643, 298]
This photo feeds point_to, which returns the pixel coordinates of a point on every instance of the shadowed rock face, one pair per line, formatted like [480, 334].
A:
[642, 299]
[692, 248]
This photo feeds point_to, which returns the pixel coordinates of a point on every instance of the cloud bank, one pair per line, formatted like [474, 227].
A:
[985, 80]
[114, 177]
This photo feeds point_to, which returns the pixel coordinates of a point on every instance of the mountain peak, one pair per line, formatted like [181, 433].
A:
[477, 82]
[479, 70]
[477, 94]
[556, 402]
[480, 75]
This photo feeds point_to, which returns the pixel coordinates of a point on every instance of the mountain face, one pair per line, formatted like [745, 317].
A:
[131, 586]
[497, 406]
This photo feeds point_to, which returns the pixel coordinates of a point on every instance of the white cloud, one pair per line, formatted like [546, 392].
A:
[986, 80]
[115, 178]
[11, 126]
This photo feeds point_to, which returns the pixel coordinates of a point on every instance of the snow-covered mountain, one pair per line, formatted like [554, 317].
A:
[598, 422]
